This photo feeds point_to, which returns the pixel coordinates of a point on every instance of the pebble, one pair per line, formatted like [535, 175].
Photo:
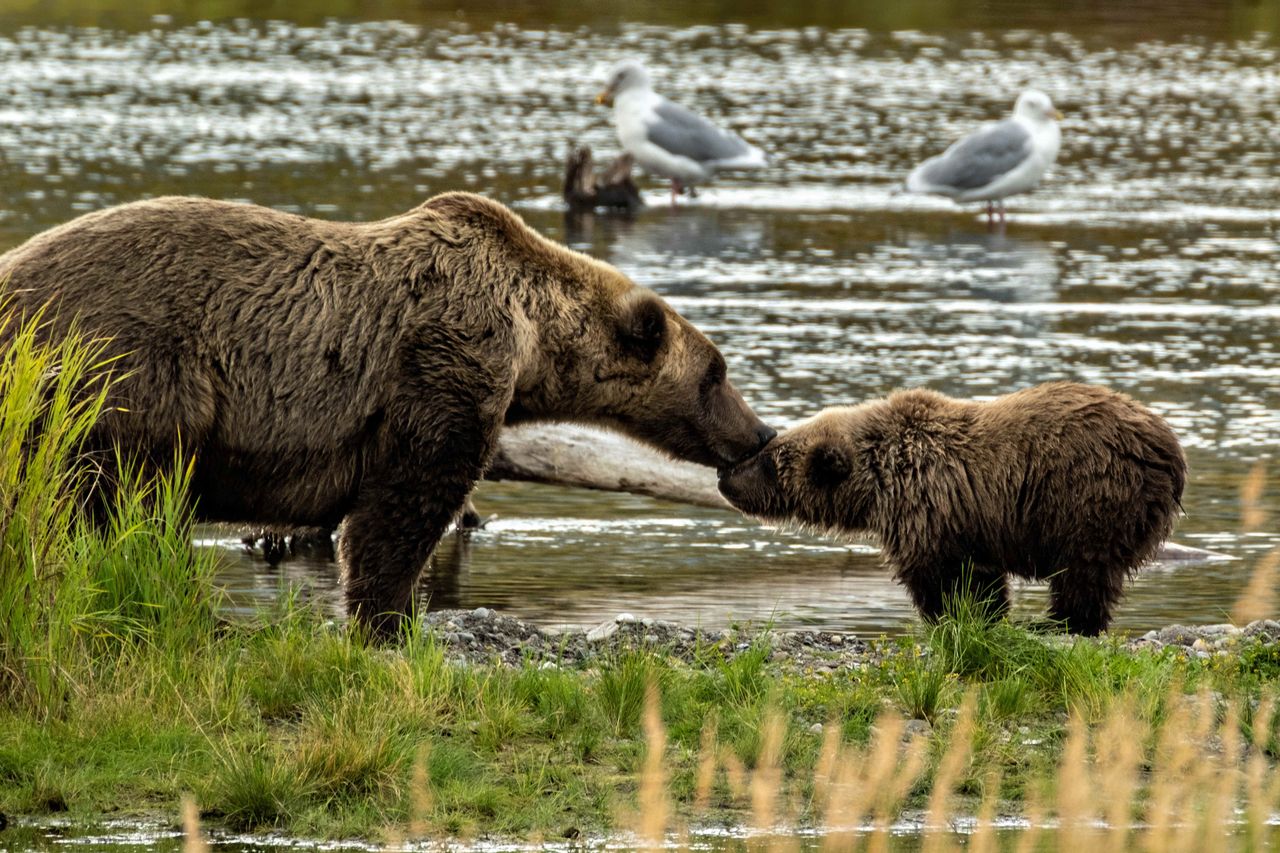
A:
[1266, 627]
[482, 613]
[916, 728]
[815, 729]
[603, 631]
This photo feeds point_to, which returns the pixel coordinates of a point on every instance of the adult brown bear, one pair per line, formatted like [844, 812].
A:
[321, 371]
[1069, 483]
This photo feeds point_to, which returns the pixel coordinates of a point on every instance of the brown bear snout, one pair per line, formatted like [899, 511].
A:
[752, 486]
[736, 432]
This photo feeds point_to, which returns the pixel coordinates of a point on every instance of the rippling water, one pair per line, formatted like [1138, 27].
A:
[1149, 262]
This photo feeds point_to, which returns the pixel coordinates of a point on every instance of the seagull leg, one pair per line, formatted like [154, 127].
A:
[1002, 212]
[990, 215]
[676, 189]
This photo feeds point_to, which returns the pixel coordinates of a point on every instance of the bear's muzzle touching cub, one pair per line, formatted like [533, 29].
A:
[360, 372]
[1068, 483]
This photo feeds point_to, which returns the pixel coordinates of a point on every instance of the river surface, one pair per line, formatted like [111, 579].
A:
[1149, 261]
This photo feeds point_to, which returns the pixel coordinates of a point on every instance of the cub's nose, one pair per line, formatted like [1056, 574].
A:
[765, 434]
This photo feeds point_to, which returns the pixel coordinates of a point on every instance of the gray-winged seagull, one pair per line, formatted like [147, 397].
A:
[998, 160]
[667, 139]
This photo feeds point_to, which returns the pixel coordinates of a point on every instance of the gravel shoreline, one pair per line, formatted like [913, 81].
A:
[483, 636]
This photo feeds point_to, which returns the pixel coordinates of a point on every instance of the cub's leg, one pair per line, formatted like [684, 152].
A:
[934, 591]
[1082, 600]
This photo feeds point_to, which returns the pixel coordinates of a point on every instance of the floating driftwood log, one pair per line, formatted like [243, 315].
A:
[566, 455]
[613, 188]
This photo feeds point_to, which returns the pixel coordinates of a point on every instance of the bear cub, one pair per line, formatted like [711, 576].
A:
[1074, 484]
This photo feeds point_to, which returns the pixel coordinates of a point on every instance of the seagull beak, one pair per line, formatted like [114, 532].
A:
[1057, 115]
[605, 97]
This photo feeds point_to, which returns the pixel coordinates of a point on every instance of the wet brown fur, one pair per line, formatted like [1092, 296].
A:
[327, 370]
[1069, 483]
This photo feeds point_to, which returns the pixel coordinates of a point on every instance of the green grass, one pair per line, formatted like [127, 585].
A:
[285, 723]
[120, 692]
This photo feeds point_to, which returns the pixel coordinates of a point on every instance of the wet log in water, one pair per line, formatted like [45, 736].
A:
[613, 188]
[566, 455]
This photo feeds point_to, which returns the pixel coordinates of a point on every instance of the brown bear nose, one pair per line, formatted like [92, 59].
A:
[765, 434]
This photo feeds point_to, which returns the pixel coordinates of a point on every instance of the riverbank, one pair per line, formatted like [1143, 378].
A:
[485, 726]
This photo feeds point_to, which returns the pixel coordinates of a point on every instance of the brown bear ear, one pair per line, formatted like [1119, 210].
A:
[642, 325]
[829, 466]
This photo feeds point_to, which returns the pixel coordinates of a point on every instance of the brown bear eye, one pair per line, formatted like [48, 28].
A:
[829, 466]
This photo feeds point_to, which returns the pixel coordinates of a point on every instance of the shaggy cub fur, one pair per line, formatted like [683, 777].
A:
[1068, 483]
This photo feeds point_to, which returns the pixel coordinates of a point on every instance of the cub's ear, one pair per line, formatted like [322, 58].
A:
[642, 325]
[829, 466]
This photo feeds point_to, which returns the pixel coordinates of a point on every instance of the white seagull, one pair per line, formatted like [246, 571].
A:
[998, 160]
[667, 139]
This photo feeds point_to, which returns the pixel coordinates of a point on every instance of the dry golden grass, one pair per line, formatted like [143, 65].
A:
[1196, 784]
[193, 840]
[1253, 514]
[655, 808]
[1258, 600]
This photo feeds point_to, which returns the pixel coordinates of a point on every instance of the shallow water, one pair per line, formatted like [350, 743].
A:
[1149, 262]
[127, 836]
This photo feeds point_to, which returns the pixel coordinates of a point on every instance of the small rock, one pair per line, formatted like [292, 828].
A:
[482, 613]
[1178, 635]
[1200, 645]
[466, 637]
[815, 729]
[1219, 630]
[603, 631]
[1266, 628]
[626, 619]
[916, 728]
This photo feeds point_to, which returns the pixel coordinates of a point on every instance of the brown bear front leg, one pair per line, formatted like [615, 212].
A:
[403, 508]
[386, 542]
[1082, 600]
[935, 591]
